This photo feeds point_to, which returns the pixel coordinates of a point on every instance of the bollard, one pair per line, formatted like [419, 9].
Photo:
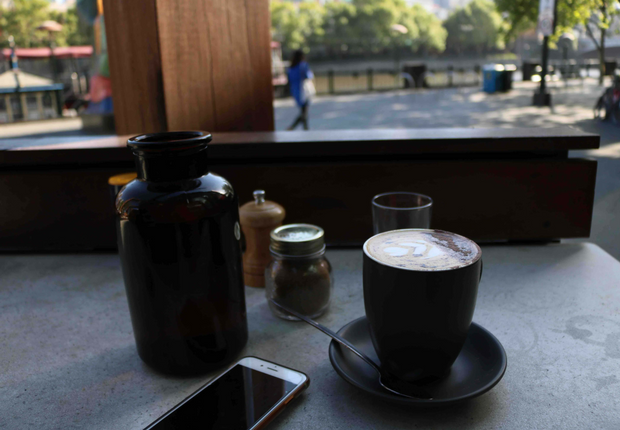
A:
[369, 79]
[450, 73]
[330, 81]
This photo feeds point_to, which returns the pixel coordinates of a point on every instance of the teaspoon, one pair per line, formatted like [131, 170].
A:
[387, 381]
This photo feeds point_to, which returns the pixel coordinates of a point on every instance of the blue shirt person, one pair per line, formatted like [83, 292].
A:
[299, 74]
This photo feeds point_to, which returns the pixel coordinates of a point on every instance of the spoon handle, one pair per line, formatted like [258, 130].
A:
[331, 334]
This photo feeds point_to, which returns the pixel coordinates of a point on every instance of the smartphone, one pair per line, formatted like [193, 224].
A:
[247, 396]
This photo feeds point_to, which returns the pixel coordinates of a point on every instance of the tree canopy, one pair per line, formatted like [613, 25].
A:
[431, 34]
[521, 15]
[21, 20]
[296, 25]
[475, 27]
[22, 17]
[366, 26]
[595, 16]
[602, 15]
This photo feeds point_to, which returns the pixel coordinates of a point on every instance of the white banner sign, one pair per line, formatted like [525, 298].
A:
[545, 17]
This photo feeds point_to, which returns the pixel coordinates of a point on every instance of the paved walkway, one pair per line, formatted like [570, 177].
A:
[457, 107]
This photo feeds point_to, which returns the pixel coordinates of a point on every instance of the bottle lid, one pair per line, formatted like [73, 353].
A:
[260, 212]
[297, 239]
[171, 156]
[169, 141]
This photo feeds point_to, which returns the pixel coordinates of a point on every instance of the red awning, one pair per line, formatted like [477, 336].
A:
[61, 52]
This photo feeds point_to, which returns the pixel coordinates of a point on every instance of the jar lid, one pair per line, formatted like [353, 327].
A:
[297, 239]
[122, 179]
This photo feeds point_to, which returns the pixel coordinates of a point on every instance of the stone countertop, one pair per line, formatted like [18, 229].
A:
[68, 357]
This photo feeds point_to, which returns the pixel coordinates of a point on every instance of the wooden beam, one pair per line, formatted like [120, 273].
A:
[135, 66]
[486, 200]
[256, 147]
[198, 64]
[490, 185]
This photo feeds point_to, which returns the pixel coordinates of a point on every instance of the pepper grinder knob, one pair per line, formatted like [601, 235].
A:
[259, 197]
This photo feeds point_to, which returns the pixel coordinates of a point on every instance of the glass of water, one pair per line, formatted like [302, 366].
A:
[399, 210]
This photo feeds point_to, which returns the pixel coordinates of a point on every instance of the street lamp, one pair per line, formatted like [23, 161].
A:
[546, 27]
[14, 66]
[397, 29]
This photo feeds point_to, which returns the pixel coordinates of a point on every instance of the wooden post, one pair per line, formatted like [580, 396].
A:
[330, 81]
[9, 108]
[190, 64]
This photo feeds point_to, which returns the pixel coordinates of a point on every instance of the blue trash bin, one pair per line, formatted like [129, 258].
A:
[493, 78]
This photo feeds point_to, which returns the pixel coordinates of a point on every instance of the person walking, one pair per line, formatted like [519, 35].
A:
[300, 82]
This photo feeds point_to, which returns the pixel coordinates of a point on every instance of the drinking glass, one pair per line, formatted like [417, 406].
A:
[399, 210]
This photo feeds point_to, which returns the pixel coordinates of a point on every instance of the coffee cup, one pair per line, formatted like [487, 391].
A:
[420, 289]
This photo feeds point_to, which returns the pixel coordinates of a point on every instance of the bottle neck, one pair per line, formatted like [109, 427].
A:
[170, 166]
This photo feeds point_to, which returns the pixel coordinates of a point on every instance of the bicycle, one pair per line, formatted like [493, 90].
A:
[608, 104]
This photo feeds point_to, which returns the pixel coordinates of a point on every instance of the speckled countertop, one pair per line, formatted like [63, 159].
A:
[68, 358]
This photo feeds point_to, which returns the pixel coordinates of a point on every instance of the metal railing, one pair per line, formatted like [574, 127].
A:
[357, 81]
[342, 82]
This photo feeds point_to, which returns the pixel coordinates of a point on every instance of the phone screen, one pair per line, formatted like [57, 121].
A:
[236, 401]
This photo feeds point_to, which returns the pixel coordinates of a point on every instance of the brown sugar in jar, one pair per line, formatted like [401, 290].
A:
[299, 276]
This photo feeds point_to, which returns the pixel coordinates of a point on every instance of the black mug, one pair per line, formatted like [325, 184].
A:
[419, 318]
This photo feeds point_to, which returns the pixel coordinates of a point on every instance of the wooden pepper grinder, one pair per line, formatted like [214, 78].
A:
[258, 218]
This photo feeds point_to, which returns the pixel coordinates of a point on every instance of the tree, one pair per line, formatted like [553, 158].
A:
[295, 26]
[601, 18]
[356, 27]
[312, 15]
[373, 23]
[21, 19]
[523, 15]
[338, 26]
[475, 28]
[431, 33]
[363, 26]
[75, 30]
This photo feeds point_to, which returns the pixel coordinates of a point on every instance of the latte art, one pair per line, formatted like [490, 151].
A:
[425, 250]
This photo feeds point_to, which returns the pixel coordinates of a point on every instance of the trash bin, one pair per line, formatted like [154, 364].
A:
[489, 79]
[417, 72]
[529, 69]
[493, 78]
[610, 67]
[507, 76]
[497, 77]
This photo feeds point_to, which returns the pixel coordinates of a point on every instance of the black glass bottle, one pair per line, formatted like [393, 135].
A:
[178, 238]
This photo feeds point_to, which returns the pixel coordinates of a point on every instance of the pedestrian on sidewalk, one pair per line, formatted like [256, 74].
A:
[302, 89]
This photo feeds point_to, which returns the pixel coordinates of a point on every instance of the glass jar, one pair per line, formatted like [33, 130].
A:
[179, 244]
[299, 276]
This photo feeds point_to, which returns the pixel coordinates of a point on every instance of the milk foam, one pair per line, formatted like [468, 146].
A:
[425, 250]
